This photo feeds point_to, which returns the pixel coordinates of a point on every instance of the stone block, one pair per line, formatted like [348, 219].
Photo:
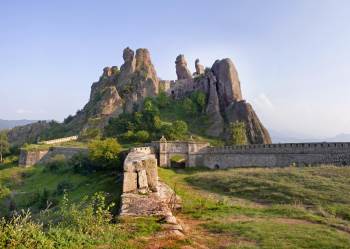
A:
[129, 182]
[142, 179]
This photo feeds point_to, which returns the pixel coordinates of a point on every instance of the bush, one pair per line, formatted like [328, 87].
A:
[238, 133]
[57, 163]
[105, 153]
[188, 106]
[142, 136]
[63, 186]
[81, 164]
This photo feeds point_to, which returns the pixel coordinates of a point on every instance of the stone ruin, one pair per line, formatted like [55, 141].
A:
[143, 193]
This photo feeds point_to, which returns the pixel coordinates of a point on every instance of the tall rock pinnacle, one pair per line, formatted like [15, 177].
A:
[182, 71]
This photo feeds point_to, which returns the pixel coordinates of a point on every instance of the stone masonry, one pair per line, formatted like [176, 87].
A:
[143, 193]
[259, 155]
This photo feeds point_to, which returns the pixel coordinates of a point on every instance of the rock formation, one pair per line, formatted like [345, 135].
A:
[225, 103]
[124, 90]
[228, 84]
[216, 121]
[199, 68]
[182, 71]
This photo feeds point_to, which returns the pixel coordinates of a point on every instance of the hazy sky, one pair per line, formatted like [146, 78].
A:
[293, 57]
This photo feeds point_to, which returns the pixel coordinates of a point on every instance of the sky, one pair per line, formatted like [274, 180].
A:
[293, 57]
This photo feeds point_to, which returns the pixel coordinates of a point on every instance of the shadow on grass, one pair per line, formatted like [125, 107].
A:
[279, 186]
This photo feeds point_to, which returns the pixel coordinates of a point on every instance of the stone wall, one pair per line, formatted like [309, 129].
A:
[30, 158]
[60, 140]
[261, 155]
[274, 155]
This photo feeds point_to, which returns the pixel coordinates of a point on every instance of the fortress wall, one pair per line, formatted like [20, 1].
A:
[60, 140]
[273, 155]
[30, 158]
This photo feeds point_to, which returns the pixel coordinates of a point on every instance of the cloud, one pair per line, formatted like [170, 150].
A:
[263, 102]
[28, 111]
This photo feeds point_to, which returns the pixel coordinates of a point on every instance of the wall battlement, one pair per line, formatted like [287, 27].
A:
[261, 155]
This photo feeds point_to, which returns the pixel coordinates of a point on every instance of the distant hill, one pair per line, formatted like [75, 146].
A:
[286, 137]
[8, 124]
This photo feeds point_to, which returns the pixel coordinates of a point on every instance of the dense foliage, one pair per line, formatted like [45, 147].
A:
[147, 124]
[105, 153]
[4, 145]
[238, 133]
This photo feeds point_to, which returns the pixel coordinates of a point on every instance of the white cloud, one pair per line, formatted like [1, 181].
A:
[263, 102]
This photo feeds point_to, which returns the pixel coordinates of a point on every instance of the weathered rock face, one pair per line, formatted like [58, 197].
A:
[182, 71]
[224, 100]
[142, 83]
[228, 84]
[128, 68]
[213, 109]
[243, 111]
[199, 68]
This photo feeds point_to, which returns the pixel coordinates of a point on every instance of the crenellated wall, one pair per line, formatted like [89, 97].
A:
[262, 155]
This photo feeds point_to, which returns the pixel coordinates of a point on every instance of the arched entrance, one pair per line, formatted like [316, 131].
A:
[178, 161]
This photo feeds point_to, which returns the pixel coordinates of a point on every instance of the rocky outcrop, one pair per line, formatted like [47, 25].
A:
[128, 67]
[228, 84]
[243, 111]
[182, 71]
[119, 91]
[143, 81]
[225, 103]
[199, 68]
[216, 121]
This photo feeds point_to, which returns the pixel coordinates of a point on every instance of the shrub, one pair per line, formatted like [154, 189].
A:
[81, 164]
[105, 153]
[238, 133]
[188, 106]
[57, 163]
[63, 186]
[142, 136]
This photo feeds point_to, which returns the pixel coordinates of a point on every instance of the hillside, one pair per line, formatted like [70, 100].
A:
[236, 208]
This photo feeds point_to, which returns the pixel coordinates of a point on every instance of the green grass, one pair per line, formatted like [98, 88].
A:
[76, 228]
[268, 208]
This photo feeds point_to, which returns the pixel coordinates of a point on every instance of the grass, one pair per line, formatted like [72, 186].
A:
[66, 226]
[267, 208]
[236, 208]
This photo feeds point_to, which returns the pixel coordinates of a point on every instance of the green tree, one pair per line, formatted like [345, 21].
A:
[142, 136]
[4, 145]
[162, 100]
[188, 106]
[238, 133]
[199, 98]
[105, 153]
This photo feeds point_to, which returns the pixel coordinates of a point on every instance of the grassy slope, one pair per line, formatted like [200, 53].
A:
[236, 208]
[266, 208]
[23, 184]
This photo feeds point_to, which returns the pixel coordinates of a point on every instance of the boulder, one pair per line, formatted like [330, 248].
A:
[182, 71]
[228, 84]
